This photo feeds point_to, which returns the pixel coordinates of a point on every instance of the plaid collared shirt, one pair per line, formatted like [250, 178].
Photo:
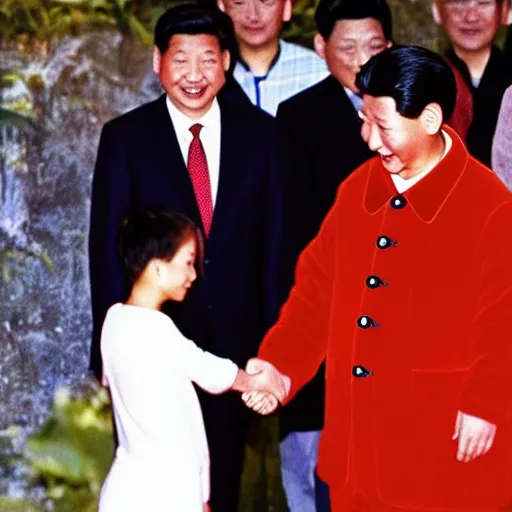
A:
[296, 68]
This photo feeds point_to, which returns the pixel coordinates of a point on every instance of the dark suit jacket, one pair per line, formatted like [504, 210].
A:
[139, 163]
[319, 146]
[508, 44]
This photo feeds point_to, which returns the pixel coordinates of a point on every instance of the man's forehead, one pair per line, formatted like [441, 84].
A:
[379, 107]
[448, 5]
[201, 42]
[360, 28]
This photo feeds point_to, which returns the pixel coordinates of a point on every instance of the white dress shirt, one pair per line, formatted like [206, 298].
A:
[402, 184]
[162, 462]
[354, 98]
[209, 135]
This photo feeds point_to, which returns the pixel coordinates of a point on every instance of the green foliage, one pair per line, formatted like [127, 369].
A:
[11, 260]
[23, 20]
[8, 505]
[302, 26]
[43, 19]
[11, 118]
[72, 453]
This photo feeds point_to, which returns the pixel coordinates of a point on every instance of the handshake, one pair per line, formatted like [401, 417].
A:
[266, 386]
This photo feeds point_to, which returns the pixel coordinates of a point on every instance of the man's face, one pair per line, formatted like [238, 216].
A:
[350, 46]
[257, 23]
[399, 141]
[192, 71]
[471, 25]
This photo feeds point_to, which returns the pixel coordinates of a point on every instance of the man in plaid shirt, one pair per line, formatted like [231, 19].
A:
[270, 70]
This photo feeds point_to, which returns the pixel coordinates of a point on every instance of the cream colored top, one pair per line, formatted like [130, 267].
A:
[150, 368]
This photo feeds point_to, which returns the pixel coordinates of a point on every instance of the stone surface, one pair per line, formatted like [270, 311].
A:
[46, 167]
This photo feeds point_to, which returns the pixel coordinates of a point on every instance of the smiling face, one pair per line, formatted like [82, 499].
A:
[471, 25]
[177, 275]
[351, 44]
[192, 71]
[257, 23]
[399, 141]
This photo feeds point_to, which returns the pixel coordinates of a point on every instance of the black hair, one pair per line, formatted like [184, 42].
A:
[413, 76]
[194, 18]
[329, 12]
[154, 233]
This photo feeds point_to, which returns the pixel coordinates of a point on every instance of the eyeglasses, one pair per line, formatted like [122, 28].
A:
[242, 5]
[460, 6]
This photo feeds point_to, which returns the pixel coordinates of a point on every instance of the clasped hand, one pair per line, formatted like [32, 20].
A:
[270, 386]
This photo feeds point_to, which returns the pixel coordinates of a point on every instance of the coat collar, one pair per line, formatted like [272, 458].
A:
[428, 195]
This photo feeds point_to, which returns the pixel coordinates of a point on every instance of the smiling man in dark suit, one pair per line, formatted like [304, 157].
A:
[213, 160]
[320, 145]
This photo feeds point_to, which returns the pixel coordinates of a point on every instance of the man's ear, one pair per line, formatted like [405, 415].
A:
[319, 43]
[221, 5]
[226, 59]
[436, 14]
[287, 10]
[157, 60]
[432, 118]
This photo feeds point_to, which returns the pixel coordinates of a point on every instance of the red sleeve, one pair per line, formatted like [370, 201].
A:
[487, 393]
[297, 343]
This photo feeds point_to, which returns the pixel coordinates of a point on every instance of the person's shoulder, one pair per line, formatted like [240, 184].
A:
[489, 190]
[307, 99]
[303, 61]
[355, 183]
[506, 103]
[498, 66]
[114, 325]
[246, 114]
[297, 51]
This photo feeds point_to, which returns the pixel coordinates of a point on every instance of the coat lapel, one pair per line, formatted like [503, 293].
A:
[230, 161]
[169, 153]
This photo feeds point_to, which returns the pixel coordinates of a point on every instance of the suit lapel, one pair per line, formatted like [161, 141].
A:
[169, 153]
[339, 102]
[230, 162]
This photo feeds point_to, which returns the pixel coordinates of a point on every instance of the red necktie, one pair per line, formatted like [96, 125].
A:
[200, 177]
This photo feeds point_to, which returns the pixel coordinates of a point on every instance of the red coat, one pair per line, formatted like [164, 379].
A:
[443, 340]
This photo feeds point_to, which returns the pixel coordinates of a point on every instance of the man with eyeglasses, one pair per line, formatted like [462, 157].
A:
[269, 70]
[320, 145]
[471, 26]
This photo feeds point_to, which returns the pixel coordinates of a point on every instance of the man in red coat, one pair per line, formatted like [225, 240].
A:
[406, 292]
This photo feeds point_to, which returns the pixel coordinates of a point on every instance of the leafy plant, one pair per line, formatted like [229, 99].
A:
[23, 20]
[10, 505]
[43, 19]
[71, 454]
